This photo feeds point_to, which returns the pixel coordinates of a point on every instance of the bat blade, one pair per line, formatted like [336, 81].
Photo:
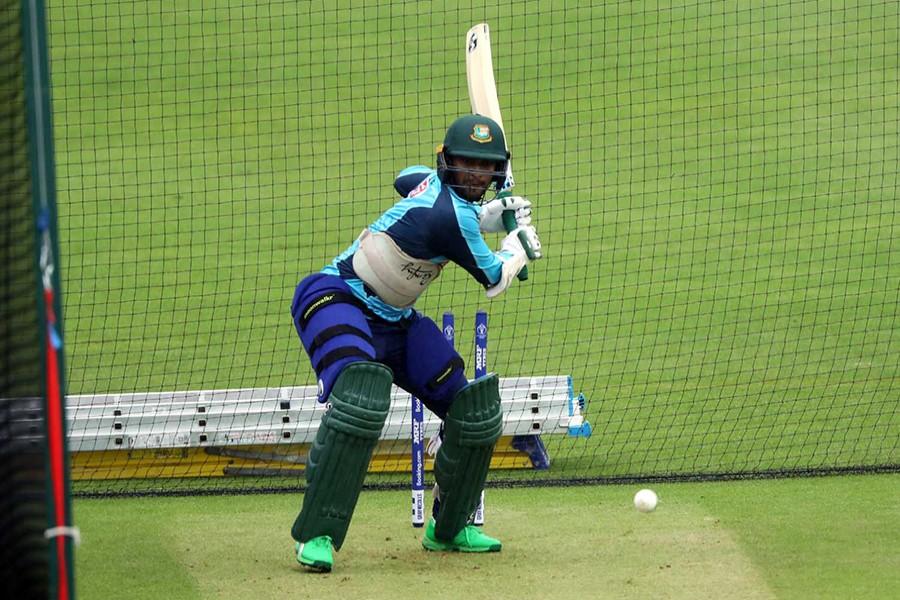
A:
[480, 73]
[482, 85]
[484, 101]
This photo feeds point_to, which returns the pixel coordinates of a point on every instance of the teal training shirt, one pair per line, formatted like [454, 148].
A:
[430, 223]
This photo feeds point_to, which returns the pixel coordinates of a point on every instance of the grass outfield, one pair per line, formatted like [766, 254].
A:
[715, 185]
[824, 538]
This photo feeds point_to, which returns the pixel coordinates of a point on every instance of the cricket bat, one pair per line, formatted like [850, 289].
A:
[483, 97]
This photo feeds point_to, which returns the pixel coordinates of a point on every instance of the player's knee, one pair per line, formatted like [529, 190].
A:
[360, 400]
[439, 399]
[475, 417]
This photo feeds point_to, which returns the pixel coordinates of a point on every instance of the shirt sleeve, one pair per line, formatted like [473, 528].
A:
[409, 178]
[465, 246]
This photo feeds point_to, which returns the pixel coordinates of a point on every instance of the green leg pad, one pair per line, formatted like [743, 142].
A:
[471, 430]
[340, 454]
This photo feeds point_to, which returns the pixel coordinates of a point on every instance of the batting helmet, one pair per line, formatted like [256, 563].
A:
[474, 136]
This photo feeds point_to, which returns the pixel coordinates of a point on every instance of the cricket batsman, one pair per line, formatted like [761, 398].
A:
[357, 323]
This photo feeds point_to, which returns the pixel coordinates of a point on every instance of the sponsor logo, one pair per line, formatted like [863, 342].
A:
[444, 375]
[419, 189]
[251, 438]
[317, 304]
[482, 134]
[158, 453]
[159, 440]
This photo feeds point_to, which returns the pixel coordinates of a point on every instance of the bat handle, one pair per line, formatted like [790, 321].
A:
[509, 223]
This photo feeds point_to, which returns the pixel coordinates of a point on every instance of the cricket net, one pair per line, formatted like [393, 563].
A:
[715, 185]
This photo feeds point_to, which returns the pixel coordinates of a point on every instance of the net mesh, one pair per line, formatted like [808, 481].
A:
[715, 185]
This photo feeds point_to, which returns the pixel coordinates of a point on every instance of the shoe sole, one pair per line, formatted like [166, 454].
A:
[316, 565]
[434, 546]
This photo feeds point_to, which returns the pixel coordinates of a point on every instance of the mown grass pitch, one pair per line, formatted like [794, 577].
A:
[824, 538]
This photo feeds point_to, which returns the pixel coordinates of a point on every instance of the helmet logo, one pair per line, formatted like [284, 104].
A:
[482, 134]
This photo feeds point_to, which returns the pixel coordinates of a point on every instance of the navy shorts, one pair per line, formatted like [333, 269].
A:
[337, 330]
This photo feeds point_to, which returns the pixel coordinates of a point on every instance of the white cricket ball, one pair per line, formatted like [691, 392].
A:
[645, 501]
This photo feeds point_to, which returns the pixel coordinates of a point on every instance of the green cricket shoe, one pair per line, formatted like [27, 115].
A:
[470, 539]
[316, 554]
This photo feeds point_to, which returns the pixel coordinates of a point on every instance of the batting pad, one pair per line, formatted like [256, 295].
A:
[341, 452]
[471, 429]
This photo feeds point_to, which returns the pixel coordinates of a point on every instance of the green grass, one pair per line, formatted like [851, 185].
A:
[715, 185]
[824, 538]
